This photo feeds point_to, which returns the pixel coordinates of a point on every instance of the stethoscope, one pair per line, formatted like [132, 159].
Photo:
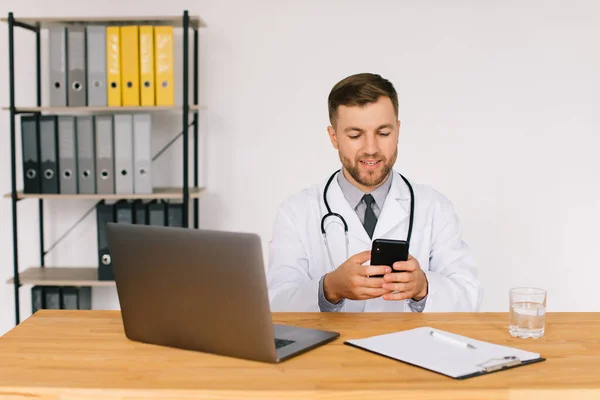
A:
[332, 214]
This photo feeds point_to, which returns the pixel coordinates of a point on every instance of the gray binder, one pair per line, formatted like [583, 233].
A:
[96, 65]
[142, 179]
[76, 298]
[123, 153]
[140, 212]
[124, 212]
[66, 155]
[57, 51]
[49, 154]
[175, 214]
[85, 155]
[52, 297]
[84, 298]
[105, 181]
[157, 213]
[77, 93]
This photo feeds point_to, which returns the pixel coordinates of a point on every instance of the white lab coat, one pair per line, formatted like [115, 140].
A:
[298, 257]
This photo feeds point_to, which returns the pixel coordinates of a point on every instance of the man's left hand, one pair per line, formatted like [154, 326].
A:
[406, 281]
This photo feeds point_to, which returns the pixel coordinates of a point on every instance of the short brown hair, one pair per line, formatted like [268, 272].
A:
[358, 90]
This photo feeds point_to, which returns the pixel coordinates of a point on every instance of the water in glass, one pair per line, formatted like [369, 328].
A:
[527, 312]
[527, 319]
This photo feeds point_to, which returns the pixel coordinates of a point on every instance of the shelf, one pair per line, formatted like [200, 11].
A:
[80, 110]
[159, 193]
[28, 21]
[61, 276]
[195, 21]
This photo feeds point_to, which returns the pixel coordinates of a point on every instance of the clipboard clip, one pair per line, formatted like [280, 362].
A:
[495, 364]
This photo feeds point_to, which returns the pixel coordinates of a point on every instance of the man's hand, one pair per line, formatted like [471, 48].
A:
[351, 280]
[411, 283]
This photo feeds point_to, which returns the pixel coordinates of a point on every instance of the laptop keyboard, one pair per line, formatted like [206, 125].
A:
[279, 343]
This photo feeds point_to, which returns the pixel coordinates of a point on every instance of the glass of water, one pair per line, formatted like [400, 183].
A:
[527, 312]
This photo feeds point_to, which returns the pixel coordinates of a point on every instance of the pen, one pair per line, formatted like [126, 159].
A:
[452, 340]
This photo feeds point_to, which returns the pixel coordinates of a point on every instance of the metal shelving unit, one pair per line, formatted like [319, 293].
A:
[87, 276]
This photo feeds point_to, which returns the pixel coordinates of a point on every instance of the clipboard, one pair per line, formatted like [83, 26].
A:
[446, 353]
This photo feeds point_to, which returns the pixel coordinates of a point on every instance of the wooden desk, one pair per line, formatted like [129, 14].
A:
[85, 355]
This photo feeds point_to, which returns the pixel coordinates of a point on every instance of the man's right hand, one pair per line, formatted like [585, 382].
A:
[351, 280]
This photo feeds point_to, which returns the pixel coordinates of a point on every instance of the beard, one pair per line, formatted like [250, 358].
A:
[368, 178]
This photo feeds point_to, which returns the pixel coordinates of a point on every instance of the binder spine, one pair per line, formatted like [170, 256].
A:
[142, 126]
[123, 139]
[130, 81]
[147, 65]
[49, 154]
[66, 155]
[113, 66]
[104, 213]
[96, 65]
[105, 183]
[31, 162]
[57, 49]
[77, 91]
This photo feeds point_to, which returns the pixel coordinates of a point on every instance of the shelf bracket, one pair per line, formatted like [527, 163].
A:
[79, 221]
[165, 147]
[26, 26]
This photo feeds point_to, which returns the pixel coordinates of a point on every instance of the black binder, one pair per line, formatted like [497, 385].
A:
[30, 148]
[37, 299]
[123, 214]
[104, 214]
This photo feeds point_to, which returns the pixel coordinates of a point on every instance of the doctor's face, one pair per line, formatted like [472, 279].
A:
[366, 138]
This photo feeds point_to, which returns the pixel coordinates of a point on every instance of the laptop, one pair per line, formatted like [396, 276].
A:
[200, 290]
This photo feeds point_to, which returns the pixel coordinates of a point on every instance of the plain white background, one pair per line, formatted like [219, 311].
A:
[499, 106]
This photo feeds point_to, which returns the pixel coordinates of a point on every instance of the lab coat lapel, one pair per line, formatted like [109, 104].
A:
[396, 208]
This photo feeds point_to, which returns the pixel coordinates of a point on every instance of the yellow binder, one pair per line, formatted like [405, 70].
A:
[164, 65]
[147, 65]
[130, 71]
[113, 66]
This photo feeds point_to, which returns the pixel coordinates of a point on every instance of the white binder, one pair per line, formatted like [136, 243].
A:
[105, 182]
[142, 158]
[446, 353]
[123, 153]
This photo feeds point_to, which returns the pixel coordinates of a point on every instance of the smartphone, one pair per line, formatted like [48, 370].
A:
[387, 252]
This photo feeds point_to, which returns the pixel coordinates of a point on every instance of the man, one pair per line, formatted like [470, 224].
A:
[306, 274]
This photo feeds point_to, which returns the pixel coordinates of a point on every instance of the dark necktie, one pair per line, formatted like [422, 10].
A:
[370, 218]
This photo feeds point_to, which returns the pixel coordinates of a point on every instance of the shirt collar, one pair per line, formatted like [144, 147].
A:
[354, 195]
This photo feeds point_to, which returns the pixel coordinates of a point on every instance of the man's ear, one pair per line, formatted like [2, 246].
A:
[332, 137]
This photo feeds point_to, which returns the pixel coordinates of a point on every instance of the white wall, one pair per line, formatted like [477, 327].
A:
[498, 104]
